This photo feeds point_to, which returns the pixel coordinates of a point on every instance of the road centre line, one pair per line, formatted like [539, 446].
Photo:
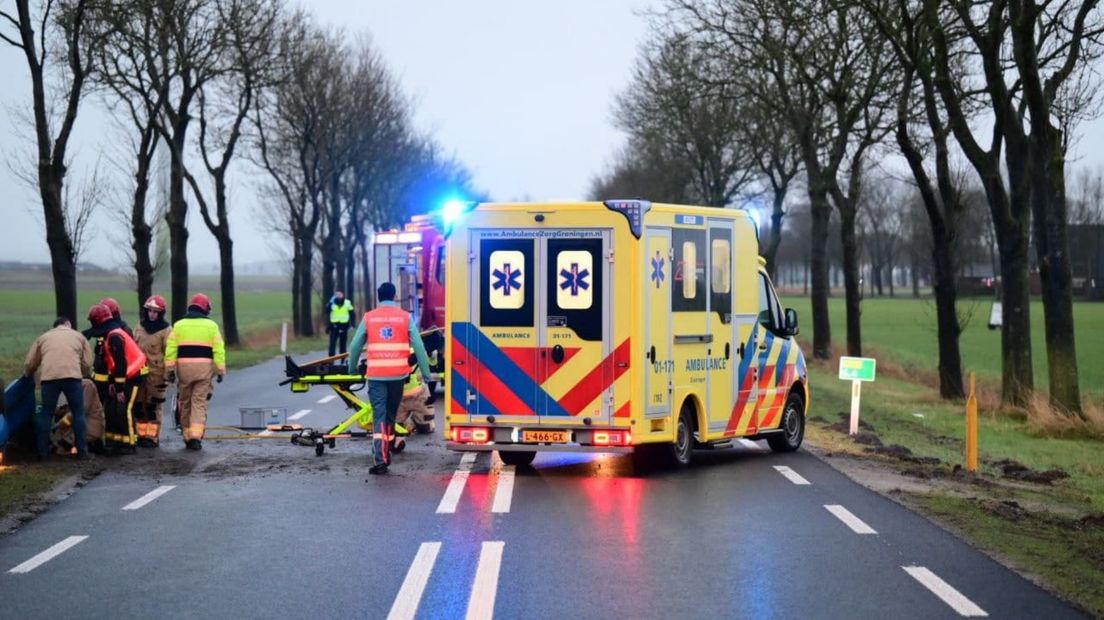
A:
[850, 520]
[413, 586]
[456, 485]
[298, 414]
[482, 601]
[504, 491]
[48, 554]
[790, 474]
[149, 497]
[326, 399]
[944, 590]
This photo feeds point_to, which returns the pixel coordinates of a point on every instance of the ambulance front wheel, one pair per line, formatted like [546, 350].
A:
[793, 426]
[519, 459]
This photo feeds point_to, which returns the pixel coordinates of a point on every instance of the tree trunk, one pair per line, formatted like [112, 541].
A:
[818, 264]
[177, 219]
[948, 328]
[1048, 204]
[851, 284]
[1017, 376]
[306, 278]
[369, 297]
[876, 270]
[226, 285]
[296, 274]
[63, 259]
[771, 251]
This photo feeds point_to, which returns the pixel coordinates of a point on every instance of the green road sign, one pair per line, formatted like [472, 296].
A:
[857, 368]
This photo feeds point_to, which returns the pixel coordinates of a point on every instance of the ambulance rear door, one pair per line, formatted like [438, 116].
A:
[575, 362]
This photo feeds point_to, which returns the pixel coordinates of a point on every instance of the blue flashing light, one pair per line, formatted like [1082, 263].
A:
[451, 210]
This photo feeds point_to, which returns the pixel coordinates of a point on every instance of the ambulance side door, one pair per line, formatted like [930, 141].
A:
[722, 349]
[657, 272]
[771, 345]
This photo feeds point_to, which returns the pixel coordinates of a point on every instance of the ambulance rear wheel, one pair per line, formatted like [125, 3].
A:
[678, 454]
[518, 459]
[793, 426]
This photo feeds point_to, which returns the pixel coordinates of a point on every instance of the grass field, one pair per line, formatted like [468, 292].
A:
[903, 330]
[26, 313]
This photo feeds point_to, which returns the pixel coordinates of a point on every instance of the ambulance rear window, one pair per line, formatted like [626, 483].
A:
[720, 273]
[505, 268]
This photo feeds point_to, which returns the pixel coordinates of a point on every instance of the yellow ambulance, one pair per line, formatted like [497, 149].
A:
[622, 326]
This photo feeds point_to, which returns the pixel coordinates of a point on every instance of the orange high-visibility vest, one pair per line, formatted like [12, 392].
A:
[136, 358]
[387, 333]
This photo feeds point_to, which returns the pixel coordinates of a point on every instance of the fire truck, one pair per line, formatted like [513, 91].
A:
[622, 326]
[413, 259]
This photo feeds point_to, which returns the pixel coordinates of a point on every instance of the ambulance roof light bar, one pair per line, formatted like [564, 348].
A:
[452, 210]
[389, 238]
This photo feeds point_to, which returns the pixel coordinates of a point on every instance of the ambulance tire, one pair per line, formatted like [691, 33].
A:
[793, 426]
[517, 459]
[680, 452]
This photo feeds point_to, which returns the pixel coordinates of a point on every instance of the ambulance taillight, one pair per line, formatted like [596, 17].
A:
[468, 434]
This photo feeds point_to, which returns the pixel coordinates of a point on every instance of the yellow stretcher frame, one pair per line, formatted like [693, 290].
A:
[343, 385]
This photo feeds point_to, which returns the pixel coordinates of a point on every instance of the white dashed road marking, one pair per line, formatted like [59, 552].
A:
[410, 594]
[504, 492]
[48, 554]
[942, 589]
[298, 414]
[790, 474]
[149, 497]
[456, 485]
[856, 524]
[482, 601]
[326, 399]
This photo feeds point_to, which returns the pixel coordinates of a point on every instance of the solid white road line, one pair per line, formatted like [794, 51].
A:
[790, 474]
[149, 497]
[504, 492]
[747, 443]
[456, 485]
[856, 524]
[482, 601]
[48, 554]
[326, 399]
[942, 589]
[410, 594]
[298, 414]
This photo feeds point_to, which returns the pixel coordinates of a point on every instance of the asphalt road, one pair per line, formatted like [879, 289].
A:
[264, 529]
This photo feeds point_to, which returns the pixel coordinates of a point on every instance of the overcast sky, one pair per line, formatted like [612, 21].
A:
[521, 92]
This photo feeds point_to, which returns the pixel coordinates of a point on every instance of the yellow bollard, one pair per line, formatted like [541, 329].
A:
[972, 426]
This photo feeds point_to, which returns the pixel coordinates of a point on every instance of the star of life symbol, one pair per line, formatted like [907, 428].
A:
[387, 333]
[657, 269]
[574, 279]
[506, 279]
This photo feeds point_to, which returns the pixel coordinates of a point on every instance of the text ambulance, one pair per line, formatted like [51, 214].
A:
[622, 326]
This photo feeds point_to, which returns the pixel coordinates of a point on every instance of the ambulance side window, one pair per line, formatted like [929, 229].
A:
[720, 273]
[688, 290]
[575, 286]
[770, 314]
[440, 264]
[505, 266]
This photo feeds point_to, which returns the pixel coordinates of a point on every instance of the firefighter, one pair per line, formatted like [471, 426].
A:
[118, 369]
[341, 317]
[152, 335]
[117, 313]
[390, 333]
[414, 412]
[195, 354]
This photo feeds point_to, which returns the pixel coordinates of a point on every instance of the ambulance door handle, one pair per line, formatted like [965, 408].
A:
[740, 350]
[652, 354]
[763, 347]
[728, 352]
[558, 354]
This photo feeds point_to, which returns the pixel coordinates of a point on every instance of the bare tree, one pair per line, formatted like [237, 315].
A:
[52, 38]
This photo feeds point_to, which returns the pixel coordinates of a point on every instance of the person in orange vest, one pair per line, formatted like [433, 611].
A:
[195, 352]
[118, 369]
[390, 333]
[152, 335]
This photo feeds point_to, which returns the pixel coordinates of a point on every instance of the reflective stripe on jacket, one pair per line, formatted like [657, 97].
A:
[195, 340]
[387, 331]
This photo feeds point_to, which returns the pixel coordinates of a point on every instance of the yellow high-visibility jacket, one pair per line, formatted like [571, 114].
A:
[195, 340]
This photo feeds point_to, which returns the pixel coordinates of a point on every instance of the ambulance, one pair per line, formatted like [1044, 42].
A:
[619, 326]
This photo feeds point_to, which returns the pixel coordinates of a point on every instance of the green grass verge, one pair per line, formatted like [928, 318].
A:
[1068, 554]
[903, 329]
[19, 483]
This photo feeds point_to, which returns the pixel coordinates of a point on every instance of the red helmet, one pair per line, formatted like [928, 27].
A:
[155, 302]
[99, 314]
[112, 305]
[201, 301]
